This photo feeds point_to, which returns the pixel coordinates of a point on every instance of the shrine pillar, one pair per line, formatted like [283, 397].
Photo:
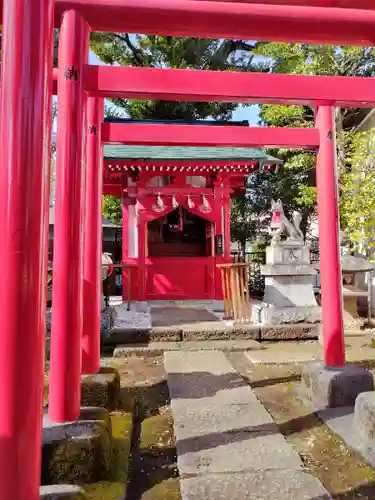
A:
[219, 233]
[329, 234]
[25, 121]
[142, 255]
[66, 336]
[92, 289]
[226, 225]
[125, 225]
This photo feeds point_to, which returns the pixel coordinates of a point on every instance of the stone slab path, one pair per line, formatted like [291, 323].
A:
[228, 446]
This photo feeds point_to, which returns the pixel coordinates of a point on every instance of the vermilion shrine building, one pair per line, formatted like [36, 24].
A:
[27, 77]
[176, 213]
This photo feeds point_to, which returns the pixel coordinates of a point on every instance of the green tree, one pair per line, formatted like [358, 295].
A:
[357, 201]
[314, 60]
[112, 209]
[174, 52]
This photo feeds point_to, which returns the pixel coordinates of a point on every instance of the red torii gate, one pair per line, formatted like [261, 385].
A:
[24, 179]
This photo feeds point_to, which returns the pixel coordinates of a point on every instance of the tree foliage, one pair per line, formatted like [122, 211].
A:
[112, 209]
[177, 53]
[357, 201]
[300, 165]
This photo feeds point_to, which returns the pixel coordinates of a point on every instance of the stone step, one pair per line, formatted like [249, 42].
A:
[223, 431]
[220, 331]
[157, 348]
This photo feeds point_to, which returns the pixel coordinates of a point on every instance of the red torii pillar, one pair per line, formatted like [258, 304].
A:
[25, 118]
[92, 289]
[67, 294]
[329, 240]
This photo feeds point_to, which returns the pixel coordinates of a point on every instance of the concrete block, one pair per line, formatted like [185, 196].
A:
[364, 416]
[62, 492]
[75, 452]
[335, 387]
[101, 389]
[290, 332]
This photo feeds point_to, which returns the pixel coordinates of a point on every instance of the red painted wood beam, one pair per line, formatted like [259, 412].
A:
[54, 84]
[308, 21]
[341, 4]
[205, 135]
[177, 166]
[208, 19]
[194, 85]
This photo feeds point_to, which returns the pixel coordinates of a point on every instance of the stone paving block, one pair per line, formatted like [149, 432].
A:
[335, 387]
[255, 485]
[222, 345]
[75, 452]
[202, 421]
[197, 361]
[364, 416]
[101, 389]
[62, 492]
[205, 379]
[235, 452]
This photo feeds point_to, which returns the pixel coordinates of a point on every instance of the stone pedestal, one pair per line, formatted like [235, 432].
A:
[289, 295]
[335, 387]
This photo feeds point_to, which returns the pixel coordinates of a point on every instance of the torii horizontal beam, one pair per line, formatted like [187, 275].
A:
[341, 4]
[214, 86]
[210, 19]
[206, 136]
[283, 20]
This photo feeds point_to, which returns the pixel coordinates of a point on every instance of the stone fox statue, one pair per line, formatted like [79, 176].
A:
[280, 224]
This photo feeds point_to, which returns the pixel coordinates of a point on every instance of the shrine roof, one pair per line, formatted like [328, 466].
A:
[114, 152]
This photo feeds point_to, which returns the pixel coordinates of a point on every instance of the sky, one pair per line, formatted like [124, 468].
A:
[249, 113]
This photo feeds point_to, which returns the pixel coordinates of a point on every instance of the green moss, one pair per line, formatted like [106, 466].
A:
[166, 490]
[122, 428]
[101, 389]
[156, 433]
[127, 399]
[78, 452]
[105, 491]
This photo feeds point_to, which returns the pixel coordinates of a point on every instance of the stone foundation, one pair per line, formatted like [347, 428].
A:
[335, 387]
[101, 389]
[81, 451]
[75, 452]
[290, 332]
[364, 416]
[62, 492]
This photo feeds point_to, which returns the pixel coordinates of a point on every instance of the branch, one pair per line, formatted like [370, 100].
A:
[135, 51]
[241, 45]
